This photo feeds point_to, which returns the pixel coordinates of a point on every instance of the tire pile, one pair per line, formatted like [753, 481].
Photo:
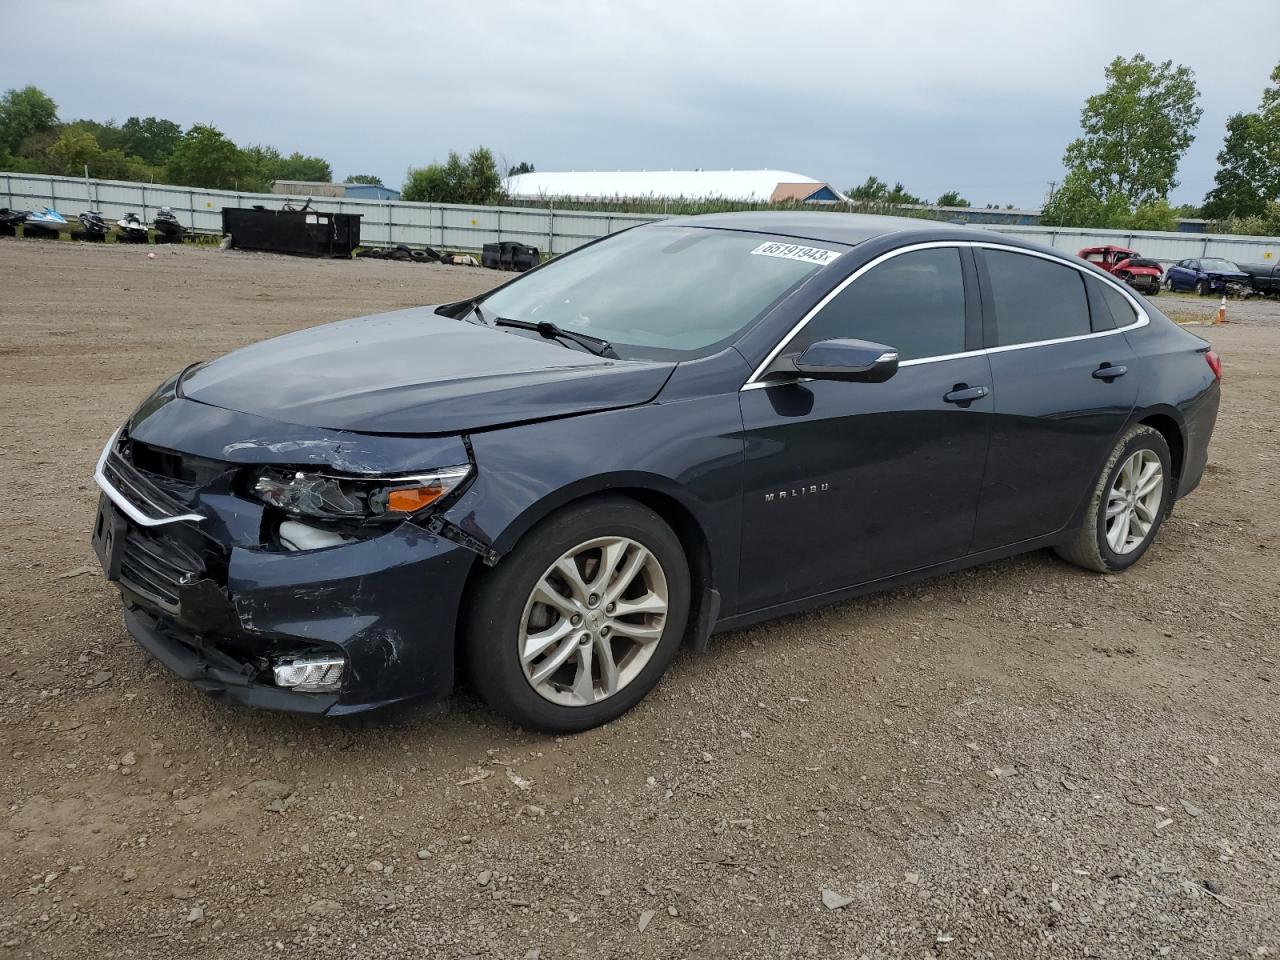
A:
[425, 255]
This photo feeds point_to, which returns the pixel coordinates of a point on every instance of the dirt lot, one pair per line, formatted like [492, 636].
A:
[1020, 760]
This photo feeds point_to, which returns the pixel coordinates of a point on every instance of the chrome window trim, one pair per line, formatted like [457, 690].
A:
[121, 501]
[754, 383]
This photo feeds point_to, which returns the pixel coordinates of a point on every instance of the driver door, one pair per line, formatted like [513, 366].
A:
[847, 483]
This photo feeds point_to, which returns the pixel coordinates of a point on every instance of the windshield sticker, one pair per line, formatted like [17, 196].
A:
[791, 251]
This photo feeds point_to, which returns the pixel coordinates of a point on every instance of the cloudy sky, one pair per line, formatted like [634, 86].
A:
[976, 96]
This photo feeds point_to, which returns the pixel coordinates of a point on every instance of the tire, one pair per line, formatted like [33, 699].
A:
[1154, 289]
[1202, 288]
[1090, 546]
[505, 612]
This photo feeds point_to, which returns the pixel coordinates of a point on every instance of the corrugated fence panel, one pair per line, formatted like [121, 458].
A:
[462, 227]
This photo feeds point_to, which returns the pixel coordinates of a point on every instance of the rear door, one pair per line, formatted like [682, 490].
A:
[1063, 390]
[850, 482]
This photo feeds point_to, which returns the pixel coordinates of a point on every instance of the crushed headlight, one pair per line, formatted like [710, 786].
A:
[350, 498]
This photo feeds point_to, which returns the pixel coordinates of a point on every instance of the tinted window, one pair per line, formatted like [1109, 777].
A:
[1035, 299]
[1121, 309]
[913, 302]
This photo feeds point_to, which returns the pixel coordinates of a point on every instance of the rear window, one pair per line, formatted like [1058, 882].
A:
[1035, 299]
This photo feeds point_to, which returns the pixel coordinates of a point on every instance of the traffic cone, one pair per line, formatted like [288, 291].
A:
[1222, 313]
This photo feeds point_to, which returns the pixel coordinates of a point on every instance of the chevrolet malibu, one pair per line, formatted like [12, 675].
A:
[684, 428]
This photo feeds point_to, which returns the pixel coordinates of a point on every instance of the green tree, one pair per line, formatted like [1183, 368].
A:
[1248, 174]
[524, 166]
[149, 138]
[299, 167]
[1157, 215]
[1134, 133]
[205, 157]
[1077, 203]
[873, 190]
[75, 149]
[23, 114]
[951, 199]
[368, 178]
[108, 135]
[899, 195]
[474, 180]
[270, 165]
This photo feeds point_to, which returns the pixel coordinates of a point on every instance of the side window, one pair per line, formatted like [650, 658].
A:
[1122, 310]
[1035, 299]
[913, 302]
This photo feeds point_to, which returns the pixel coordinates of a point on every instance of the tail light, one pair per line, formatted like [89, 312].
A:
[1215, 363]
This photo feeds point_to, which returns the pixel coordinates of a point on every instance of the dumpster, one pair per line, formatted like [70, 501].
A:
[307, 233]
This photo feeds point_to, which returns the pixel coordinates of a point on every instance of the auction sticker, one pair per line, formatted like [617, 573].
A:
[791, 251]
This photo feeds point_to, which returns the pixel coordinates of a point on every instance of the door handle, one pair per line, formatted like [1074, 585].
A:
[1108, 372]
[964, 394]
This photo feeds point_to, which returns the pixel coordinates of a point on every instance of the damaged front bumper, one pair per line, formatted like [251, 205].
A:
[223, 619]
[209, 594]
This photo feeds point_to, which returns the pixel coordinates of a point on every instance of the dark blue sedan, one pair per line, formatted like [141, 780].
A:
[684, 428]
[1206, 275]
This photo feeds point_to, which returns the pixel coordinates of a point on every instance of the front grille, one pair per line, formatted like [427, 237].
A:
[135, 493]
[156, 568]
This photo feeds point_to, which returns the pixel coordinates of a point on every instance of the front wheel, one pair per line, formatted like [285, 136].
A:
[1130, 500]
[578, 622]
[1202, 288]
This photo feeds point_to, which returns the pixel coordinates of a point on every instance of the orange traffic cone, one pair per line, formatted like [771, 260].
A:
[1222, 313]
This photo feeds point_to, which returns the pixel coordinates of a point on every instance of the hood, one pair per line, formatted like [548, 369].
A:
[414, 372]
[1227, 274]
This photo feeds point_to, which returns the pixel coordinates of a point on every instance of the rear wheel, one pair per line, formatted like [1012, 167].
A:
[1130, 500]
[582, 618]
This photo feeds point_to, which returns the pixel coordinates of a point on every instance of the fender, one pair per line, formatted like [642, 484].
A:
[689, 453]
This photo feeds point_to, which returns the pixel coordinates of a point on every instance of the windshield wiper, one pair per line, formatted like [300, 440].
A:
[601, 348]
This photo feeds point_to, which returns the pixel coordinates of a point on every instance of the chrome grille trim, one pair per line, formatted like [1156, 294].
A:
[112, 474]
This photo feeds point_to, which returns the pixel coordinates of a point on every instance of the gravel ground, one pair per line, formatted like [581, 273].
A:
[1020, 760]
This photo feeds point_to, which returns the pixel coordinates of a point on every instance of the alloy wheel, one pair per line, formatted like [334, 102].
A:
[593, 621]
[1133, 501]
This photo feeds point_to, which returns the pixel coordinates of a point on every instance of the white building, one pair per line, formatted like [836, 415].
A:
[754, 186]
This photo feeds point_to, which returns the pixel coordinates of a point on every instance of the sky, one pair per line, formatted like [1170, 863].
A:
[979, 96]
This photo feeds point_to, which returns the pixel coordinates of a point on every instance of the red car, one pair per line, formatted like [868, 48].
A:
[1129, 265]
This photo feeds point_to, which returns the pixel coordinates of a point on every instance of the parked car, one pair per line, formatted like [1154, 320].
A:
[1128, 265]
[1207, 275]
[1263, 278]
[683, 428]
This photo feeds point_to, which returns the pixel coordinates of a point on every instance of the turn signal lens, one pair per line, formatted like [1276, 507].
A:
[415, 498]
[1215, 363]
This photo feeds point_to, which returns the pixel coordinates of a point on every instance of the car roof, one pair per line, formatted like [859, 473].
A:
[846, 228]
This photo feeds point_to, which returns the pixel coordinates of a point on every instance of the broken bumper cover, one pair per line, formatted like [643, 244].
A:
[388, 605]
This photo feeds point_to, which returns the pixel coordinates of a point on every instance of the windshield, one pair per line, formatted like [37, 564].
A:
[664, 292]
[1223, 266]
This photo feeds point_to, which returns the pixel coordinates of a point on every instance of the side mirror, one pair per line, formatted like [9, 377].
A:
[853, 360]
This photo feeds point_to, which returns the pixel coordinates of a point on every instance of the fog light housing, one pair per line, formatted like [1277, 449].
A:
[310, 674]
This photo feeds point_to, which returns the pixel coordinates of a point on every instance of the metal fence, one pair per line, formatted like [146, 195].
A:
[382, 223]
[454, 226]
